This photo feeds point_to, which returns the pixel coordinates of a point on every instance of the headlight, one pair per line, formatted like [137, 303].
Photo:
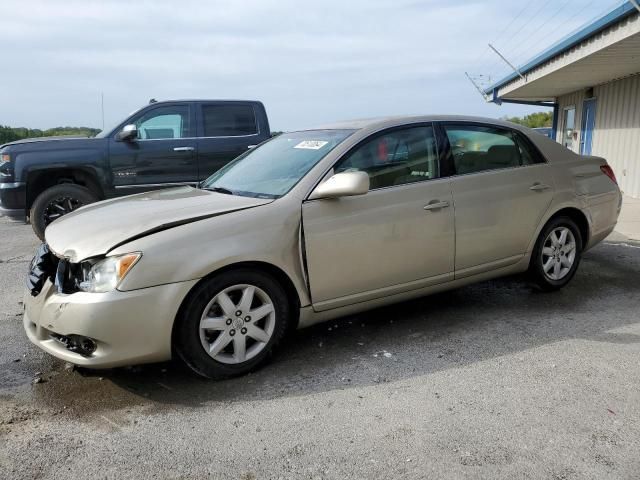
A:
[4, 158]
[106, 274]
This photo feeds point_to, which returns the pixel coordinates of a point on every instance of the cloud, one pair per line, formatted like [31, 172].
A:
[310, 62]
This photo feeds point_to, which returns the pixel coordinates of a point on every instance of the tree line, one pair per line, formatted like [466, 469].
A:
[11, 134]
[533, 120]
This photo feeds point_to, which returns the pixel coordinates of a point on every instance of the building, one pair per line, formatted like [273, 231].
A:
[592, 80]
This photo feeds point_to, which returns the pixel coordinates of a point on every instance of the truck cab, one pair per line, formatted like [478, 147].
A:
[164, 144]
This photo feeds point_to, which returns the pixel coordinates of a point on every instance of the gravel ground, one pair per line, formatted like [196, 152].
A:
[489, 381]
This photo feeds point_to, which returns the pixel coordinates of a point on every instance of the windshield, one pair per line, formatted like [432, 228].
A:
[274, 168]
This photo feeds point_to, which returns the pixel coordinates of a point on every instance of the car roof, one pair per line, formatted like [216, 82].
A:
[396, 120]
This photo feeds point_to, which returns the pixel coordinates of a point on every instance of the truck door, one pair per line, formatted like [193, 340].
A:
[225, 130]
[163, 155]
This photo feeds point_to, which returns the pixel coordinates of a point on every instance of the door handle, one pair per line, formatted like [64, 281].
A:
[251, 146]
[183, 149]
[436, 205]
[539, 187]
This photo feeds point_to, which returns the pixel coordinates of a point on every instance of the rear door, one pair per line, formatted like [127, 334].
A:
[501, 189]
[225, 130]
[397, 237]
[163, 155]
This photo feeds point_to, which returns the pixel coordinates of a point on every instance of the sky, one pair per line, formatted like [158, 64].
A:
[309, 62]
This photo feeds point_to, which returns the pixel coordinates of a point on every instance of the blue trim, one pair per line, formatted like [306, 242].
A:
[612, 17]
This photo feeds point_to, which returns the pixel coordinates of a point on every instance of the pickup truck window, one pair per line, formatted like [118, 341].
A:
[164, 122]
[229, 120]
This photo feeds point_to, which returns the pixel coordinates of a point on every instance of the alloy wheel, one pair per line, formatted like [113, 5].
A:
[558, 253]
[59, 207]
[237, 324]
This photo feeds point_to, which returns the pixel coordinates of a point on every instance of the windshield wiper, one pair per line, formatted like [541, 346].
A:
[226, 191]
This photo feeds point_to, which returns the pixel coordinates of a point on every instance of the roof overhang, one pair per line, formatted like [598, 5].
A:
[606, 50]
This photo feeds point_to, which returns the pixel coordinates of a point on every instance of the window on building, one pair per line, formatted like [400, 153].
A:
[396, 158]
[569, 127]
[229, 120]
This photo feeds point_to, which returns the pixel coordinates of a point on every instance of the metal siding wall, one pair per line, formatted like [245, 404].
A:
[617, 131]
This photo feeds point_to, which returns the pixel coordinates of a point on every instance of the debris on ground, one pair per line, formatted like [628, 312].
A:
[383, 353]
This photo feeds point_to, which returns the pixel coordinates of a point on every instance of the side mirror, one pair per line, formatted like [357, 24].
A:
[128, 133]
[345, 184]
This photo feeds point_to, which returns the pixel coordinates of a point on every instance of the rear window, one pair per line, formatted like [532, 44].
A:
[229, 120]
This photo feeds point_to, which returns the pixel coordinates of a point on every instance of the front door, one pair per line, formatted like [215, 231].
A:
[164, 154]
[501, 190]
[588, 124]
[397, 237]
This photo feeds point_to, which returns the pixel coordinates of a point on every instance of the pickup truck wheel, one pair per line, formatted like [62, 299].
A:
[57, 201]
[231, 323]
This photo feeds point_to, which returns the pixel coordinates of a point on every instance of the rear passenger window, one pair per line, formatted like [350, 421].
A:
[477, 148]
[229, 120]
[397, 158]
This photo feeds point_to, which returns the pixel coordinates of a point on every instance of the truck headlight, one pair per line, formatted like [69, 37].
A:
[106, 274]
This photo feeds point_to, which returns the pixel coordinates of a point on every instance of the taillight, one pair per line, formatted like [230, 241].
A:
[608, 171]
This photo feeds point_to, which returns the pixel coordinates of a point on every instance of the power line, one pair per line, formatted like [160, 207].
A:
[535, 29]
[522, 27]
[504, 30]
[515, 51]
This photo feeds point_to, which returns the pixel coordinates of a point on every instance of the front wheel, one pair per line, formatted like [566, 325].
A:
[557, 254]
[231, 323]
[57, 201]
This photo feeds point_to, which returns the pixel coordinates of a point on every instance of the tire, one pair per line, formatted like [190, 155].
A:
[553, 264]
[217, 352]
[57, 201]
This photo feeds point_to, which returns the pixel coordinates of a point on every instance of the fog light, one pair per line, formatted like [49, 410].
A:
[84, 346]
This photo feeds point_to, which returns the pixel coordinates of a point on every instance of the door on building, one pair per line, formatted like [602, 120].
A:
[588, 124]
[568, 127]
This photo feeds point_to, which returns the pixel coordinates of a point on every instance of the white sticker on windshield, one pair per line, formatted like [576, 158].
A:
[311, 144]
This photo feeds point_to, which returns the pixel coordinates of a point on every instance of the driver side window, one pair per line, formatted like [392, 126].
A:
[396, 158]
[164, 123]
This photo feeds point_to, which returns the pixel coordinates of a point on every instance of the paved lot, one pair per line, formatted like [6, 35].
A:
[489, 381]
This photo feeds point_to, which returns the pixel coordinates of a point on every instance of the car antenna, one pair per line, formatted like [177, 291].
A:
[153, 100]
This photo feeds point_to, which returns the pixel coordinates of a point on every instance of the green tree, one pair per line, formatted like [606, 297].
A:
[11, 134]
[533, 120]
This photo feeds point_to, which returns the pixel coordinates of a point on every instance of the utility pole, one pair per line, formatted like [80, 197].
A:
[507, 62]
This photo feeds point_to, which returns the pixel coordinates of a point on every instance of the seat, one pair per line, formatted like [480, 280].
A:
[471, 162]
[502, 156]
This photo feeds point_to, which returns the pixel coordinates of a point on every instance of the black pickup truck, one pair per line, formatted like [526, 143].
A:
[162, 144]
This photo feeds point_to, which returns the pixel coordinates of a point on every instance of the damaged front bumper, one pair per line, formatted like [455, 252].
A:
[104, 330]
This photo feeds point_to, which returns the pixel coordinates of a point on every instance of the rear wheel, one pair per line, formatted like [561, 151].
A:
[57, 201]
[557, 254]
[231, 323]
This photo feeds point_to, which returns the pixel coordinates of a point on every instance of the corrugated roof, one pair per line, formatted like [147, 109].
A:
[616, 15]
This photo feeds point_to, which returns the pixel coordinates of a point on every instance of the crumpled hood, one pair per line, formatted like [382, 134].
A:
[100, 227]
